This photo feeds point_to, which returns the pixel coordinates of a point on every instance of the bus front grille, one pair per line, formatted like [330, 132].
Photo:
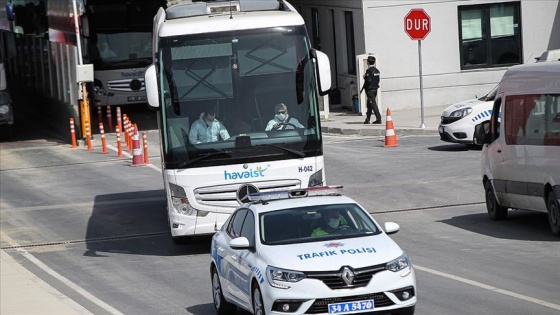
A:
[226, 195]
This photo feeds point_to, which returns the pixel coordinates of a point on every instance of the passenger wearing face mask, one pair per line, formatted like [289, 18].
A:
[282, 121]
[330, 221]
[207, 129]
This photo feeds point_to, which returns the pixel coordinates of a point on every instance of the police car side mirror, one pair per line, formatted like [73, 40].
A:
[240, 243]
[391, 227]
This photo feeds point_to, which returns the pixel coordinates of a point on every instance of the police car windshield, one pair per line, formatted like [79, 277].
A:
[315, 223]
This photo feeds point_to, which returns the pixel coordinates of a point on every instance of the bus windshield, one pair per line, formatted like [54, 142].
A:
[238, 97]
[120, 33]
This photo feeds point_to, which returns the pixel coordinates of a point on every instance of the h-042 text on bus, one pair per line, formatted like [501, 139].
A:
[417, 25]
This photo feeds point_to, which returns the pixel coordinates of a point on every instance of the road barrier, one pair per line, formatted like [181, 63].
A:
[88, 137]
[109, 118]
[119, 142]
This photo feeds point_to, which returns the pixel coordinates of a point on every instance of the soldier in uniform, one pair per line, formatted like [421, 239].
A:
[371, 84]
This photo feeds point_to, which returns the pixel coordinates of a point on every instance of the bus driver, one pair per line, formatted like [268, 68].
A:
[207, 129]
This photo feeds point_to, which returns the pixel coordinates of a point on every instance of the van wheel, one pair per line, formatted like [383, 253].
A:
[553, 214]
[495, 211]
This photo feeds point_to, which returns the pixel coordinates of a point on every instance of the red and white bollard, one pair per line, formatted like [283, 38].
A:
[119, 118]
[109, 118]
[119, 142]
[73, 133]
[145, 140]
[103, 140]
[88, 137]
[137, 159]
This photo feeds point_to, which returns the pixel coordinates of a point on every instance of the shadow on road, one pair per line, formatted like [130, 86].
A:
[520, 225]
[456, 147]
[135, 223]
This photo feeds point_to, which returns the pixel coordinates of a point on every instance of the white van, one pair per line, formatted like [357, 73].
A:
[521, 153]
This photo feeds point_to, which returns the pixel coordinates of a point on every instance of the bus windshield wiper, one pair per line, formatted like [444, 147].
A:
[292, 151]
[203, 157]
[146, 60]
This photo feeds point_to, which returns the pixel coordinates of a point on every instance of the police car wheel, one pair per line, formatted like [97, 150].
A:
[222, 306]
[553, 214]
[258, 306]
[495, 210]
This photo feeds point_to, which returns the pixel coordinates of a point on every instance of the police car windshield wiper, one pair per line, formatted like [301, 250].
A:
[292, 151]
[226, 154]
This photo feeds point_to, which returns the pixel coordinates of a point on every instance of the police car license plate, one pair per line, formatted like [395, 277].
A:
[351, 307]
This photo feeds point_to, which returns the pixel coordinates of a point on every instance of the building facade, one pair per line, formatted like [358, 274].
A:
[470, 45]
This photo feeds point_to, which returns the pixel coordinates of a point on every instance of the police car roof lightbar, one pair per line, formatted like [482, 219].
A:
[296, 193]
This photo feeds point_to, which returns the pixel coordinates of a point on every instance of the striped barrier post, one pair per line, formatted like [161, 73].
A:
[145, 140]
[103, 140]
[73, 133]
[88, 137]
[109, 118]
[119, 142]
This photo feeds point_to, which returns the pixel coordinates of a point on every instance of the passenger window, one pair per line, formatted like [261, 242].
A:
[237, 223]
[515, 120]
[248, 229]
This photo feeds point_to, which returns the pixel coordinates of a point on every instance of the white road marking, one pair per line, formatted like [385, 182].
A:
[130, 156]
[61, 278]
[489, 287]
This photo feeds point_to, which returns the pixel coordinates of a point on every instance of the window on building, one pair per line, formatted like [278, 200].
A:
[315, 28]
[350, 50]
[490, 35]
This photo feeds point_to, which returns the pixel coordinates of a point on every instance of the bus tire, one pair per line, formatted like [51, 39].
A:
[553, 214]
[495, 210]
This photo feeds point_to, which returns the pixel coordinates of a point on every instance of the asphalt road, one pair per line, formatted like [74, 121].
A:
[95, 228]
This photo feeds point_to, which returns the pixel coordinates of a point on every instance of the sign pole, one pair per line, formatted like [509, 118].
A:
[422, 125]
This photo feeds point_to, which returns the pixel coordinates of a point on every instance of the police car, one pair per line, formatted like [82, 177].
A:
[309, 251]
[458, 120]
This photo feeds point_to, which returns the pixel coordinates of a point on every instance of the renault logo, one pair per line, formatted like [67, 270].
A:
[244, 191]
[347, 275]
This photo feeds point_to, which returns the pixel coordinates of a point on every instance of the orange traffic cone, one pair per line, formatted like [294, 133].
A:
[137, 158]
[390, 135]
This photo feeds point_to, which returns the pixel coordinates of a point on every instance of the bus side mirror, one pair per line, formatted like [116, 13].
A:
[323, 71]
[150, 81]
[481, 135]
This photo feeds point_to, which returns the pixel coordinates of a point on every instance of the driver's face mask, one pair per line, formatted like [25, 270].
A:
[334, 223]
[281, 116]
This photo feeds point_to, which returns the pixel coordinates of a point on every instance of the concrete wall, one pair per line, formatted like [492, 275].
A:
[379, 30]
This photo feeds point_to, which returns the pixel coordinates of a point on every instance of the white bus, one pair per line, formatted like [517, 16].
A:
[117, 39]
[239, 59]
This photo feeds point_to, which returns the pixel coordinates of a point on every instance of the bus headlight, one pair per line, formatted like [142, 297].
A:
[179, 200]
[316, 179]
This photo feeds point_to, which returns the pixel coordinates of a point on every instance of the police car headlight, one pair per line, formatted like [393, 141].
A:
[276, 276]
[398, 264]
[461, 112]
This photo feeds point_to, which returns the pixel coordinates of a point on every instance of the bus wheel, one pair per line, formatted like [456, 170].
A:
[495, 211]
[553, 214]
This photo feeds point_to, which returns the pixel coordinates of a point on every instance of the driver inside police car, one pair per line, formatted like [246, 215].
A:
[282, 120]
[331, 220]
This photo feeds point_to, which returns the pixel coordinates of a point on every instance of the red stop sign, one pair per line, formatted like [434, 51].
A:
[417, 24]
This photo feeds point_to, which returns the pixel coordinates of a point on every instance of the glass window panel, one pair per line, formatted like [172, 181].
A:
[501, 21]
[471, 24]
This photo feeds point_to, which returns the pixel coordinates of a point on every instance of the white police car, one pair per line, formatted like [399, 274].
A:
[309, 251]
[458, 120]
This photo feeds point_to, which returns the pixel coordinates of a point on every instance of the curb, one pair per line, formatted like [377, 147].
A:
[379, 132]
